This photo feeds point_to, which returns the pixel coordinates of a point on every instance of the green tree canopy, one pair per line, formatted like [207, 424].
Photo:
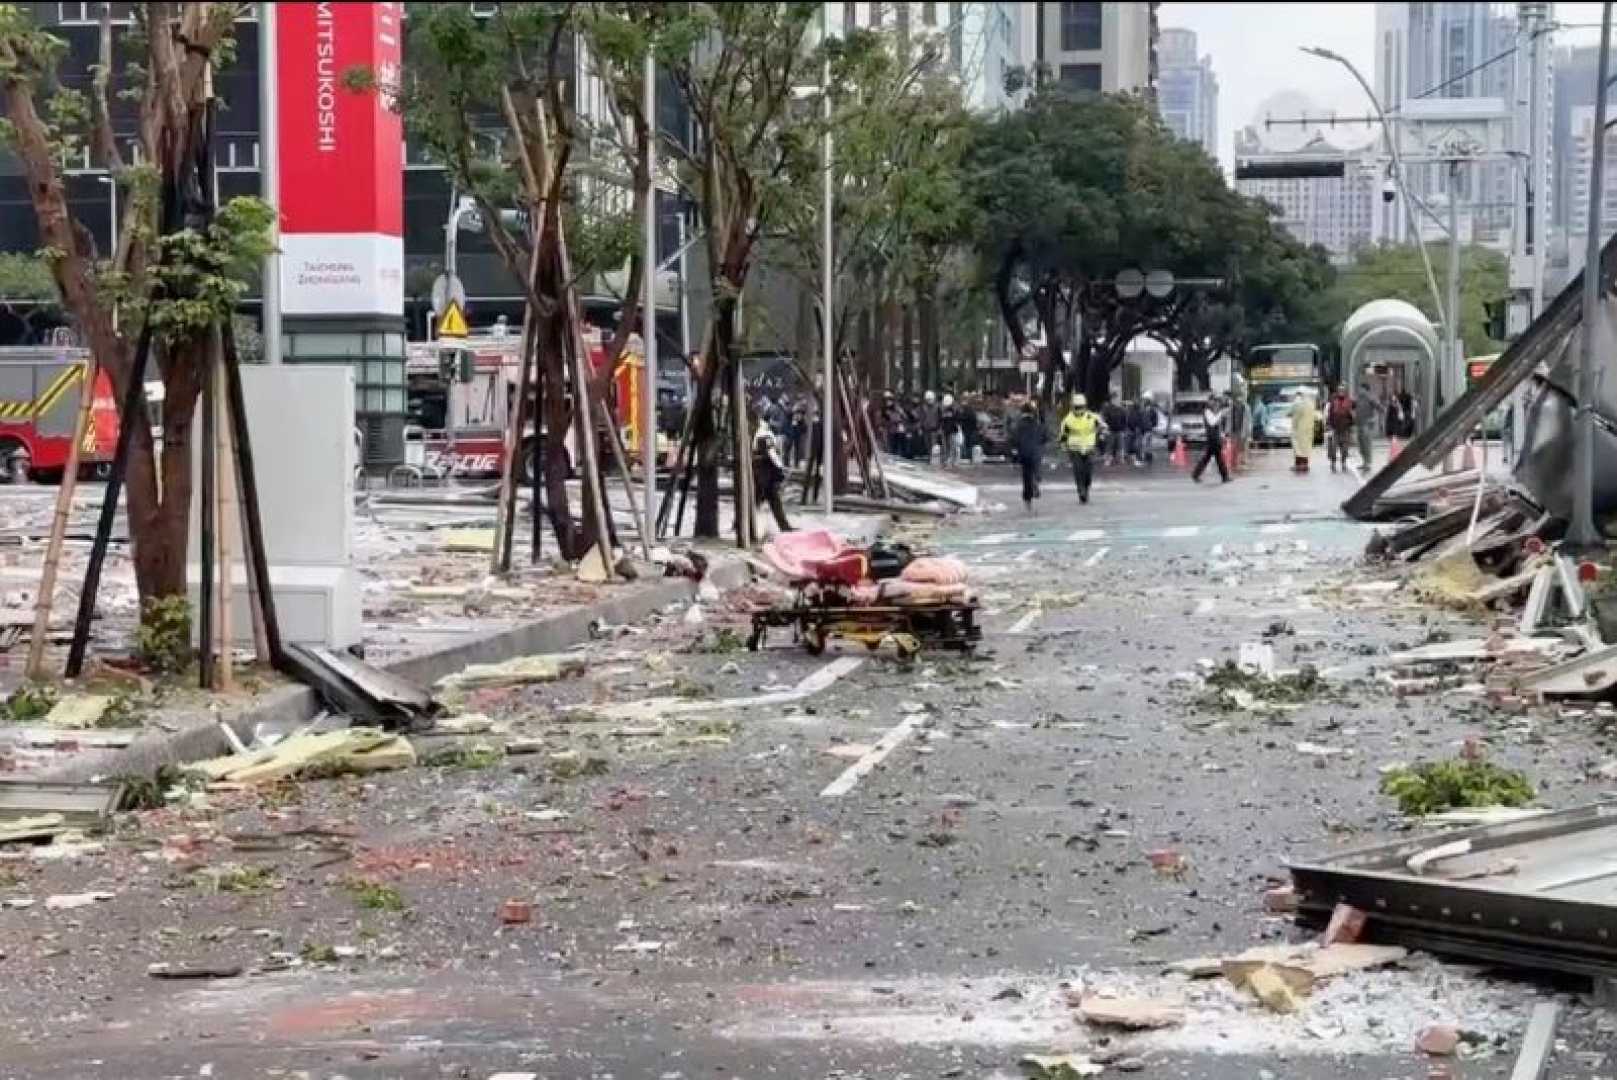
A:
[1395, 272]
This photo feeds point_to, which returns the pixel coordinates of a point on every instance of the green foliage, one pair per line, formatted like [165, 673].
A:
[1396, 272]
[143, 792]
[467, 756]
[237, 878]
[375, 896]
[1433, 786]
[163, 639]
[317, 953]
[25, 276]
[28, 703]
[203, 275]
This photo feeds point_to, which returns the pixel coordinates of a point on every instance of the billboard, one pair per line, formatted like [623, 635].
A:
[341, 148]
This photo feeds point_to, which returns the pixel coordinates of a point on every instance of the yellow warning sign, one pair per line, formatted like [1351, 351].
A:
[453, 324]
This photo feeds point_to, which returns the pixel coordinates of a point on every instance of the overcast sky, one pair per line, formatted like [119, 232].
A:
[1255, 54]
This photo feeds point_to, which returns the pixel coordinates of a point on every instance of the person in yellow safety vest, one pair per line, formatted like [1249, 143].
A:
[1081, 432]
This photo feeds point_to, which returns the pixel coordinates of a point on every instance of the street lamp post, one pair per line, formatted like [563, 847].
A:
[1581, 533]
[648, 320]
[1409, 206]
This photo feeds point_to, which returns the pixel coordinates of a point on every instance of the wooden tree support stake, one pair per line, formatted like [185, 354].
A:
[64, 504]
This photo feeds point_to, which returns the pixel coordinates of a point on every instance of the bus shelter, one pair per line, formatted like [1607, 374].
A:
[1390, 343]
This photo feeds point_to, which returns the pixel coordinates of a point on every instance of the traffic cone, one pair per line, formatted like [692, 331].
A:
[1393, 448]
[1179, 457]
[1228, 451]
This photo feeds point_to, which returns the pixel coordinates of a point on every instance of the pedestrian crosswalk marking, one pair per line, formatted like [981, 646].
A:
[1100, 553]
[1181, 530]
[995, 538]
[1020, 626]
[1278, 527]
[1085, 535]
[1205, 606]
[1028, 554]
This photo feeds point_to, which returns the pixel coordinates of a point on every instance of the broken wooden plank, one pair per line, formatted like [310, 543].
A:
[1538, 1043]
[357, 750]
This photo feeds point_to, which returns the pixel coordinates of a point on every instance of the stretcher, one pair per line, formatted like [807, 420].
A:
[817, 613]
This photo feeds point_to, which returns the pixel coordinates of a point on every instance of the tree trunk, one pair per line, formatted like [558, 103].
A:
[927, 316]
[907, 347]
[706, 433]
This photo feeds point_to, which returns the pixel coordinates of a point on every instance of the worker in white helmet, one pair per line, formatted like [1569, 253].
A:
[1081, 432]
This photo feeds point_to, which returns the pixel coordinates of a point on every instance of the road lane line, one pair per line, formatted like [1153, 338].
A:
[1099, 554]
[1028, 554]
[1020, 626]
[1278, 527]
[878, 753]
[1175, 531]
[1085, 535]
[1205, 606]
[994, 538]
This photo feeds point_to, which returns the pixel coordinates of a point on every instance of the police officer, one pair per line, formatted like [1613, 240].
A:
[1080, 435]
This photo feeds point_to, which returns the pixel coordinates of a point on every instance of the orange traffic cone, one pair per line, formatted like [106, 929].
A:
[1179, 457]
[1394, 448]
[1229, 454]
[1468, 460]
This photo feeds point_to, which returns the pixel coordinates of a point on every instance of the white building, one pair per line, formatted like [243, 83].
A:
[1187, 90]
[981, 42]
[1337, 213]
[1095, 46]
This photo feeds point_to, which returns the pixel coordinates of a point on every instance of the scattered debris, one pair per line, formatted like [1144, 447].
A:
[328, 753]
[1134, 1014]
[78, 711]
[165, 970]
[516, 912]
[73, 901]
[1438, 1040]
[1346, 926]
[519, 671]
[1059, 1066]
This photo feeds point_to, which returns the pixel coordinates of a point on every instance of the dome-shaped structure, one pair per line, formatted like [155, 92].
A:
[1388, 323]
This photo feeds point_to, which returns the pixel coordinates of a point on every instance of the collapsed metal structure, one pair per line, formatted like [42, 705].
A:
[1546, 353]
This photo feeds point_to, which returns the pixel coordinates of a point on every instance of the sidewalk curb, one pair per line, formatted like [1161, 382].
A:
[295, 704]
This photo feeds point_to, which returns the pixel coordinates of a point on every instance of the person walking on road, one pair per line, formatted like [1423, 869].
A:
[1152, 423]
[1080, 435]
[1338, 426]
[1028, 441]
[1365, 413]
[931, 424]
[1213, 449]
[1302, 430]
[768, 472]
[1116, 427]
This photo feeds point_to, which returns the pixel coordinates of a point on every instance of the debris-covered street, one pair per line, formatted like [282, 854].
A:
[843, 865]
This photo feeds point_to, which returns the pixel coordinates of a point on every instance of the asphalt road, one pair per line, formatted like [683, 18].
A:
[722, 896]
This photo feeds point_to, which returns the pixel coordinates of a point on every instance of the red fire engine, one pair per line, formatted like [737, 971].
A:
[461, 393]
[39, 400]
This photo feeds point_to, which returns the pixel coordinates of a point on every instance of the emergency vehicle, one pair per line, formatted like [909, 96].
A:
[460, 394]
[39, 401]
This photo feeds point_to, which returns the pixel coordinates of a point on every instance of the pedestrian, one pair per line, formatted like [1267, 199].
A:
[894, 420]
[1365, 414]
[1406, 405]
[1260, 416]
[949, 431]
[1080, 436]
[914, 422]
[768, 472]
[931, 424]
[968, 430]
[796, 436]
[1028, 441]
[1132, 419]
[1302, 429]
[1213, 430]
[1116, 428]
[1152, 422]
[1338, 427]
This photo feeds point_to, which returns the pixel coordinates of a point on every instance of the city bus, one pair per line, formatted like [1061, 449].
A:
[1276, 374]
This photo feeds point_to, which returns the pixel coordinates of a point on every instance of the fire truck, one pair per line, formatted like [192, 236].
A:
[460, 395]
[39, 401]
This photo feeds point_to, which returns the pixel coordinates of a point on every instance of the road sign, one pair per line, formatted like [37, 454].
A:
[1029, 351]
[1130, 283]
[1028, 367]
[445, 289]
[453, 324]
[1159, 283]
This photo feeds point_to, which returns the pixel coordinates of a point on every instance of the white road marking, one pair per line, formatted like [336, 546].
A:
[1020, 626]
[1099, 554]
[654, 708]
[878, 753]
[1204, 606]
[1181, 531]
[1278, 527]
[1085, 535]
[994, 538]
[1028, 554]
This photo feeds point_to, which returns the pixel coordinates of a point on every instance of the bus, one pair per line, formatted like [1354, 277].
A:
[1276, 374]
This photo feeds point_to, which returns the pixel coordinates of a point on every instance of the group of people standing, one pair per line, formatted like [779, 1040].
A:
[928, 424]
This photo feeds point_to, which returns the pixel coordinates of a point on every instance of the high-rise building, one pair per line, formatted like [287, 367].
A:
[981, 43]
[1452, 50]
[1335, 212]
[1096, 46]
[1187, 90]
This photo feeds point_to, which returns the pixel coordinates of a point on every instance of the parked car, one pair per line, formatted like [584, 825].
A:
[1187, 423]
[993, 435]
